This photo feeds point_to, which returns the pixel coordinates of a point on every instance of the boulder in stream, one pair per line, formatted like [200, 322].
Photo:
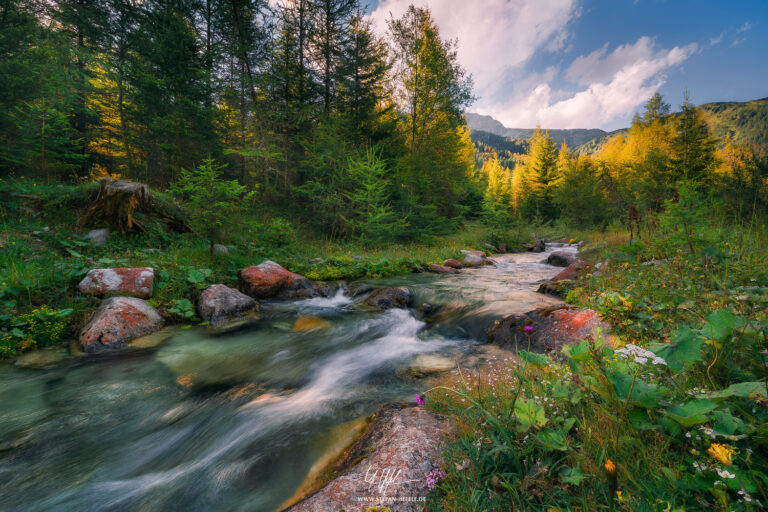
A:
[117, 321]
[561, 258]
[388, 298]
[310, 323]
[391, 460]
[552, 328]
[442, 269]
[450, 262]
[219, 304]
[122, 282]
[558, 286]
[269, 279]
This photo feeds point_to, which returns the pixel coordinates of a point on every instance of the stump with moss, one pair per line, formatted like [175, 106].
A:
[118, 201]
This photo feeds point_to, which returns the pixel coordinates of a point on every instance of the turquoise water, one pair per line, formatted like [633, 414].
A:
[233, 422]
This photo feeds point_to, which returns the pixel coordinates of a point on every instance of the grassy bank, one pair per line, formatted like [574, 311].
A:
[45, 255]
[668, 415]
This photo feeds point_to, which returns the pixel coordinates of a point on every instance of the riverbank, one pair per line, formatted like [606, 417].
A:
[239, 417]
[43, 257]
[668, 415]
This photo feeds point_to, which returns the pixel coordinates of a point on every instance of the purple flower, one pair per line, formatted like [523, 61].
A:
[528, 328]
[420, 400]
[434, 477]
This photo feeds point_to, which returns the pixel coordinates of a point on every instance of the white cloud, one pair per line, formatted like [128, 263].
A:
[716, 40]
[617, 84]
[497, 40]
[495, 36]
[599, 67]
[746, 26]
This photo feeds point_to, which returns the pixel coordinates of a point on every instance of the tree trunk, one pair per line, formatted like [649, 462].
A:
[116, 203]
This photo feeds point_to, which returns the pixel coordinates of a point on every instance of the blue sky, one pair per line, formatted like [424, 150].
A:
[593, 63]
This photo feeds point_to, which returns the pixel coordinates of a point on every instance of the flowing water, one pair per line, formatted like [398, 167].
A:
[235, 421]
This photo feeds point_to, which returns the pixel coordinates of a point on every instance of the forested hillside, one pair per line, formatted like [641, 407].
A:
[489, 145]
[573, 138]
[746, 123]
[348, 132]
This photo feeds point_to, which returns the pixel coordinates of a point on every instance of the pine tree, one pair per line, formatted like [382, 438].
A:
[542, 177]
[693, 147]
[433, 90]
[497, 202]
[363, 97]
[331, 30]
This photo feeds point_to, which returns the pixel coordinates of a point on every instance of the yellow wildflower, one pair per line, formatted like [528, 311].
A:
[610, 468]
[722, 453]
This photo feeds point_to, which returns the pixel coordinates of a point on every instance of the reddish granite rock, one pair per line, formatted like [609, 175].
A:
[269, 279]
[552, 328]
[450, 262]
[117, 321]
[559, 285]
[219, 303]
[442, 269]
[391, 460]
[123, 282]
[573, 271]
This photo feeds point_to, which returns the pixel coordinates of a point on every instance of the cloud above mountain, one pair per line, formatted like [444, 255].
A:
[500, 39]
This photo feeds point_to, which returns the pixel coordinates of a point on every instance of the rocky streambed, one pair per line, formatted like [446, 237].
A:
[265, 414]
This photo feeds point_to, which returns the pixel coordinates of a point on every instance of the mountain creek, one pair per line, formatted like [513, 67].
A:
[238, 420]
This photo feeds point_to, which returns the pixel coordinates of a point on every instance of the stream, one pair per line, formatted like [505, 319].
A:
[236, 421]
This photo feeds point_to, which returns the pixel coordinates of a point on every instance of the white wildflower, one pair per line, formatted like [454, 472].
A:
[640, 355]
[723, 473]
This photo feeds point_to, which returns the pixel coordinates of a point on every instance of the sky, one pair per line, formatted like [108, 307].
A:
[594, 63]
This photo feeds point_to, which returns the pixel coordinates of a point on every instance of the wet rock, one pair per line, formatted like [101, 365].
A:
[388, 298]
[450, 262]
[98, 237]
[479, 254]
[557, 289]
[355, 290]
[310, 323]
[552, 328]
[394, 449]
[44, 358]
[573, 271]
[220, 250]
[154, 339]
[426, 309]
[425, 365]
[219, 304]
[559, 285]
[502, 247]
[491, 247]
[538, 246]
[473, 260]
[561, 259]
[441, 269]
[116, 322]
[123, 282]
[269, 279]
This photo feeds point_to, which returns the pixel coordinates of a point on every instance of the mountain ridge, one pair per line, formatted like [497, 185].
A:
[745, 121]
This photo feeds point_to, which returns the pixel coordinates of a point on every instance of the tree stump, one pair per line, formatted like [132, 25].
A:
[116, 203]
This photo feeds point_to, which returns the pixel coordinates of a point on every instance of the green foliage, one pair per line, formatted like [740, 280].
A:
[370, 211]
[675, 400]
[40, 327]
[210, 200]
[183, 309]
